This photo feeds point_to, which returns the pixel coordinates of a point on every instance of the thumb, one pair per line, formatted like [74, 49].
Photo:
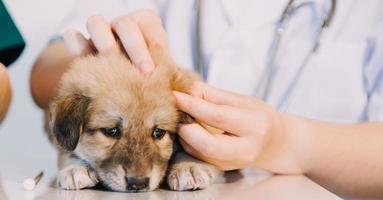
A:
[222, 147]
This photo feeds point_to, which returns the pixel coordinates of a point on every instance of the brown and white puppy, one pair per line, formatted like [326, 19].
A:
[115, 126]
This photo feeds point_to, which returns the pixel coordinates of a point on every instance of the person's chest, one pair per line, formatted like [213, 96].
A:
[235, 45]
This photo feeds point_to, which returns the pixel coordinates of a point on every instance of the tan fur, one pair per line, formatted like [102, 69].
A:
[106, 91]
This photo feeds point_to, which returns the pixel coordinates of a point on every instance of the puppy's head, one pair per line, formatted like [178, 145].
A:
[118, 121]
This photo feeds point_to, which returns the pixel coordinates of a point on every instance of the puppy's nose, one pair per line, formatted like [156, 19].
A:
[134, 183]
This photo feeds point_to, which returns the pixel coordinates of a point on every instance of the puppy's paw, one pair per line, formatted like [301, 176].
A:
[75, 177]
[191, 176]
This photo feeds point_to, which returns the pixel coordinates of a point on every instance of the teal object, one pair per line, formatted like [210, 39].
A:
[11, 40]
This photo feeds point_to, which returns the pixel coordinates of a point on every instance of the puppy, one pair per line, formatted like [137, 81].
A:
[113, 125]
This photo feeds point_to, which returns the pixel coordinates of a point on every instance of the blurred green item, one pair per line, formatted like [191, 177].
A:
[11, 41]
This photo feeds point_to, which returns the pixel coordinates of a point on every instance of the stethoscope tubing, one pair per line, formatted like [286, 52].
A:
[284, 101]
[266, 83]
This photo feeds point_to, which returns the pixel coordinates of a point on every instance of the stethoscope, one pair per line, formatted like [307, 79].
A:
[267, 81]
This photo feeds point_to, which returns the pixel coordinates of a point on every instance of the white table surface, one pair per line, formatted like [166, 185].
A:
[241, 185]
[24, 149]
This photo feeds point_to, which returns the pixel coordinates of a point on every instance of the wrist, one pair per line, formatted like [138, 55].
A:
[285, 150]
[299, 141]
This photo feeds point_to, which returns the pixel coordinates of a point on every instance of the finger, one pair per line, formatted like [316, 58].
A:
[77, 44]
[226, 118]
[221, 97]
[134, 43]
[222, 165]
[151, 27]
[191, 151]
[101, 34]
[218, 147]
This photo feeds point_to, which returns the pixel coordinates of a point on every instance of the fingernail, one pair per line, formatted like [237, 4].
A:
[146, 67]
[185, 129]
[75, 43]
[179, 94]
[185, 145]
[181, 129]
[70, 42]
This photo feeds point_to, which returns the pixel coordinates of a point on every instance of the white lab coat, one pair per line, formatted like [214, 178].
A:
[342, 82]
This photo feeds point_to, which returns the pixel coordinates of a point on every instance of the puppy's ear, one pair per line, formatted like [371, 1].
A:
[182, 82]
[180, 79]
[68, 114]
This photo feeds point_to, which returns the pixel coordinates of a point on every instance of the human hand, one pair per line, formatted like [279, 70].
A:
[5, 92]
[254, 133]
[135, 31]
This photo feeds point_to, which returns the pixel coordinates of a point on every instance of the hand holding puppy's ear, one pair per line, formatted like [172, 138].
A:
[67, 118]
[135, 32]
[253, 131]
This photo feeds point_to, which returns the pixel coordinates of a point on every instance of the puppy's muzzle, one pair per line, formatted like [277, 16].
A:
[137, 184]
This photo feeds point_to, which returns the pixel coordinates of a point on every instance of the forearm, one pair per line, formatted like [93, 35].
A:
[47, 72]
[346, 158]
[5, 92]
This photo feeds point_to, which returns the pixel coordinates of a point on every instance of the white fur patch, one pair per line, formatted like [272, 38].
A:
[155, 178]
[114, 179]
[75, 177]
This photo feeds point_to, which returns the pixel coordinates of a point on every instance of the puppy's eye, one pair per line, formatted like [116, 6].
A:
[158, 133]
[111, 132]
